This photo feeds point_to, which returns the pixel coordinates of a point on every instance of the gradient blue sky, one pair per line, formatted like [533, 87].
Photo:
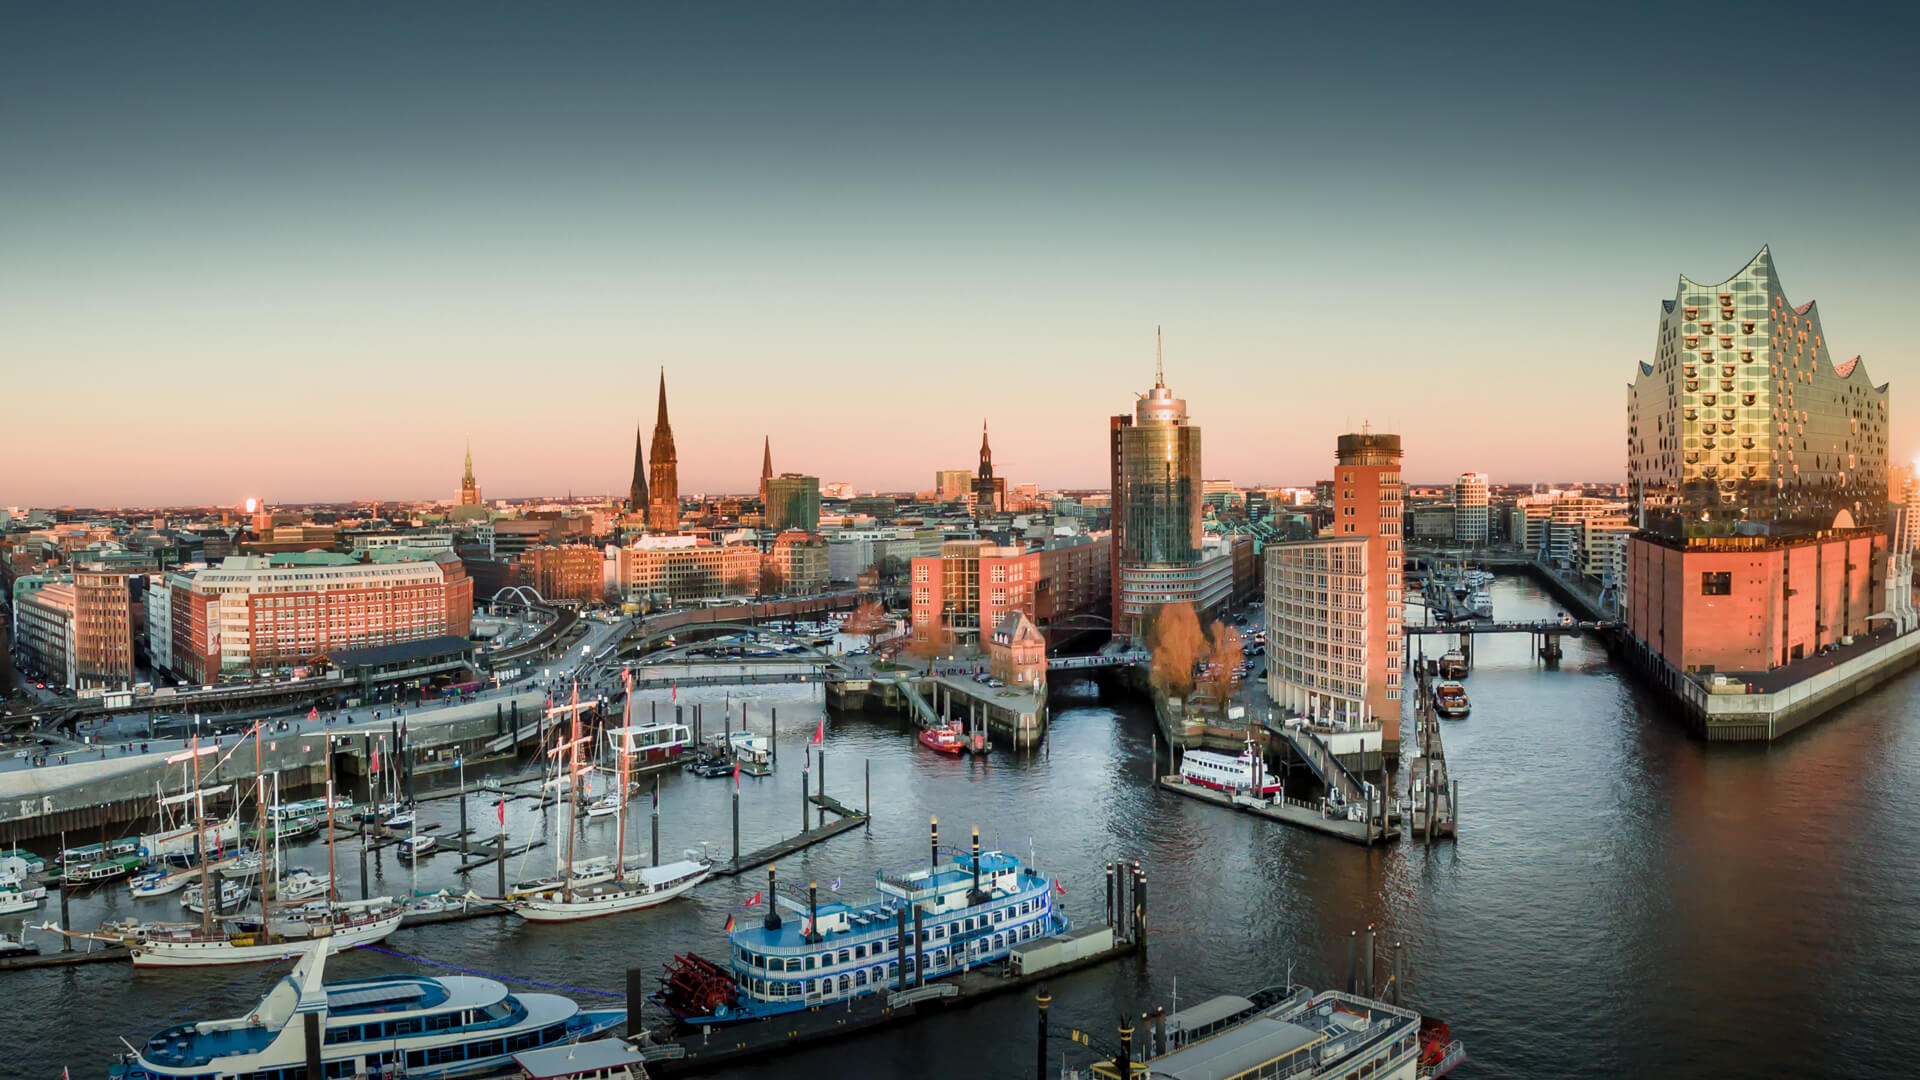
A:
[304, 254]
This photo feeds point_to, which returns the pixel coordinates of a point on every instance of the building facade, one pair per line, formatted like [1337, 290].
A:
[266, 613]
[951, 485]
[793, 502]
[104, 617]
[1367, 502]
[1075, 585]
[989, 491]
[1320, 639]
[798, 564]
[1471, 523]
[1758, 466]
[564, 573]
[1017, 652]
[43, 631]
[674, 569]
[970, 586]
[1157, 511]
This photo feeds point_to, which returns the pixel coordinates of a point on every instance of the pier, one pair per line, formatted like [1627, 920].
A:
[1433, 797]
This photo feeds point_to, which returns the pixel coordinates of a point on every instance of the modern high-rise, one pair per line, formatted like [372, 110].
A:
[793, 502]
[1334, 604]
[1470, 520]
[1758, 470]
[663, 511]
[1156, 515]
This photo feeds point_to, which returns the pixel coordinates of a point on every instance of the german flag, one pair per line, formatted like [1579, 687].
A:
[728, 929]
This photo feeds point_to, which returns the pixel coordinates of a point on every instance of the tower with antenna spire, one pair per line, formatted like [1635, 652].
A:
[469, 487]
[663, 511]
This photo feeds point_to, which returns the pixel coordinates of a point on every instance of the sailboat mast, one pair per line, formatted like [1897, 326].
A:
[626, 731]
[200, 826]
[327, 755]
[573, 778]
[260, 797]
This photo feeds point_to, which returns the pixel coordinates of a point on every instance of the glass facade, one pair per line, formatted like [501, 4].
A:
[1160, 470]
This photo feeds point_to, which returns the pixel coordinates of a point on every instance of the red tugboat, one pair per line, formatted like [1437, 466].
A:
[947, 740]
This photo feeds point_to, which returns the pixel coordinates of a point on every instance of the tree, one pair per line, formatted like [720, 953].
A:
[930, 642]
[869, 620]
[1220, 666]
[1177, 645]
[893, 570]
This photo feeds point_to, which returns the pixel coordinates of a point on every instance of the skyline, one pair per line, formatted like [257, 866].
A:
[407, 232]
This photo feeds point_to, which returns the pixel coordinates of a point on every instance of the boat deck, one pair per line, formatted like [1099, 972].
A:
[1286, 811]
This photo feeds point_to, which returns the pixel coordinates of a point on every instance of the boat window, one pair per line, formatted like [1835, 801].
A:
[860, 977]
[485, 1048]
[844, 957]
[409, 1026]
[809, 966]
[859, 952]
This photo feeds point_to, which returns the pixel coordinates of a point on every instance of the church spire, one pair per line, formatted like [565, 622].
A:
[637, 493]
[469, 474]
[766, 467]
[663, 513]
[986, 454]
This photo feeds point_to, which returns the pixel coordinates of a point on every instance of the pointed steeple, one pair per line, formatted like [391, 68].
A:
[766, 467]
[663, 512]
[637, 493]
[469, 474]
[986, 454]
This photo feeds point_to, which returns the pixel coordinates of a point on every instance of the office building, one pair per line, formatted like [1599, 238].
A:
[676, 569]
[793, 502]
[1156, 514]
[952, 485]
[1470, 509]
[106, 609]
[797, 564]
[1758, 469]
[1334, 636]
[262, 614]
[562, 573]
[43, 630]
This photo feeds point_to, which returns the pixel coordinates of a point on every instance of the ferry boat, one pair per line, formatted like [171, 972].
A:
[1293, 1032]
[1450, 699]
[1481, 603]
[76, 857]
[414, 1025]
[650, 742]
[946, 740]
[603, 1059]
[99, 870]
[1245, 774]
[969, 910]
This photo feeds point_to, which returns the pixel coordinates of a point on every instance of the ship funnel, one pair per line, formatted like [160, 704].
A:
[976, 896]
[933, 830]
[772, 921]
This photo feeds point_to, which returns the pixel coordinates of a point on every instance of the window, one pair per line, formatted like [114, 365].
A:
[1714, 583]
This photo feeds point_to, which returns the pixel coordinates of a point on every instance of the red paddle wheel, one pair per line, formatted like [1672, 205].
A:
[695, 986]
[1435, 1038]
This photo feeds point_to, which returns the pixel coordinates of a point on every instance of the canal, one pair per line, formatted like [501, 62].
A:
[1623, 900]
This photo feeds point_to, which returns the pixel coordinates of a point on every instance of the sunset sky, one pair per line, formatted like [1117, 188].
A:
[307, 254]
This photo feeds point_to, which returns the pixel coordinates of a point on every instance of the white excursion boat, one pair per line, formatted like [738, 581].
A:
[232, 895]
[1242, 775]
[417, 847]
[388, 1025]
[16, 896]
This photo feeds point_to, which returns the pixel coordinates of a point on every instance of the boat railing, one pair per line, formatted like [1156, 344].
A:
[1456, 1053]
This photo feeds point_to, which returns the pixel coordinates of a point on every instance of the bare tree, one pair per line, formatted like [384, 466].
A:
[1220, 666]
[1177, 645]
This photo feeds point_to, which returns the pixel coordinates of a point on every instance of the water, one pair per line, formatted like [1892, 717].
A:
[1623, 900]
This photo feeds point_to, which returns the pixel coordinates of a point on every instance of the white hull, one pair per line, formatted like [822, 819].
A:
[11, 902]
[220, 951]
[551, 907]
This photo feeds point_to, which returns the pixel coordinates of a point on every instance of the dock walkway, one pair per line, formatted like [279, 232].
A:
[1287, 811]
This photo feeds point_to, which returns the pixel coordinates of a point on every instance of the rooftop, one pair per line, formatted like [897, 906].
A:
[1237, 1050]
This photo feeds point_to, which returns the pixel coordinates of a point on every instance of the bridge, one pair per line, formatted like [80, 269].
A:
[1544, 626]
[1126, 658]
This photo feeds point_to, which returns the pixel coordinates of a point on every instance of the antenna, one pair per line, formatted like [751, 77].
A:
[1159, 363]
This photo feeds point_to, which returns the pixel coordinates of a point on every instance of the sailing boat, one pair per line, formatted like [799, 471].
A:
[580, 873]
[630, 888]
[244, 940]
[180, 837]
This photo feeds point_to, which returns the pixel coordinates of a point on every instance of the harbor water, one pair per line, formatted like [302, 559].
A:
[1623, 900]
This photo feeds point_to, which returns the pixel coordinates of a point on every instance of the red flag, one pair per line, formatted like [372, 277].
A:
[728, 929]
[373, 766]
[313, 713]
[752, 901]
[820, 732]
[502, 806]
[676, 690]
[806, 927]
[1057, 887]
[736, 774]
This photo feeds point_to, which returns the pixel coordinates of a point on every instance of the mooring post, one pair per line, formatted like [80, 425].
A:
[1109, 894]
[1453, 806]
[806, 819]
[736, 827]
[1140, 908]
[821, 779]
[363, 858]
[868, 825]
[900, 947]
[655, 848]
[500, 861]
[1353, 958]
[773, 733]
[919, 947]
[1044, 999]
[463, 824]
[636, 996]
[1368, 981]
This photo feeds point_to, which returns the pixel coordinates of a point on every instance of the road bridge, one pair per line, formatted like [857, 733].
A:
[1543, 626]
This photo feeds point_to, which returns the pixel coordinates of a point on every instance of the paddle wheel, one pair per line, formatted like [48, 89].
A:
[1439, 1050]
[696, 987]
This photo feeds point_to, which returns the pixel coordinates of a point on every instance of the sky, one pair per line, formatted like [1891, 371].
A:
[306, 253]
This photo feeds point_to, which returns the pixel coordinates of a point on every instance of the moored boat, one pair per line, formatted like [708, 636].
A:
[412, 1025]
[1244, 774]
[1450, 699]
[950, 739]
[1453, 664]
[417, 847]
[635, 888]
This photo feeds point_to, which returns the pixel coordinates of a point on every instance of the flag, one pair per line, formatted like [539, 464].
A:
[502, 807]
[313, 713]
[676, 690]
[806, 927]
[728, 929]
[736, 774]
[835, 887]
[752, 901]
[373, 766]
[820, 732]
[1058, 888]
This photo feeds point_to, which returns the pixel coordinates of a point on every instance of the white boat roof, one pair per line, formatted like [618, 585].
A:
[1236, 1051]
[1210, 1011]
[558, 1061]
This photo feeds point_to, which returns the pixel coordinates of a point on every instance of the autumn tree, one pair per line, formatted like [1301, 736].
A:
[1220, 665]
[930, 642]
[1177, 645]
[869, 621]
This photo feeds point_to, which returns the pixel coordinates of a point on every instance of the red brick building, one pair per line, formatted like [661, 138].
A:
[568, 573]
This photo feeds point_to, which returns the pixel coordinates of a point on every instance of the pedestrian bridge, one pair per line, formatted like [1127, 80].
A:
[1098, 660]
[1544, 626]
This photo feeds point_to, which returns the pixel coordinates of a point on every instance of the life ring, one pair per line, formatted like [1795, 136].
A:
[720, 1013]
